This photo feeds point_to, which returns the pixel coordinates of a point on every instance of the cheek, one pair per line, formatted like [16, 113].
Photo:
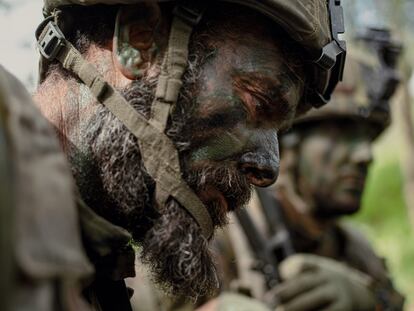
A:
[223, 145]
[336, 158]
[316, 163]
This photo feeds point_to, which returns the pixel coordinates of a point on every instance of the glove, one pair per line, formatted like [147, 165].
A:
[317, 283]
[233, 302]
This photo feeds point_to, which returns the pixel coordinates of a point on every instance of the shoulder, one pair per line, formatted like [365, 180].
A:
[354, 236]
[360, 254]
[43, 221]
[11, 89]
[46, 221]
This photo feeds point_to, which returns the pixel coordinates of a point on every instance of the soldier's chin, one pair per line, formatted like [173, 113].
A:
[349, 202]
[340, 206]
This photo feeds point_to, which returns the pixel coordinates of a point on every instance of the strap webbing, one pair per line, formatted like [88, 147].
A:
[187, 14]
[158, 152]
[173, 67]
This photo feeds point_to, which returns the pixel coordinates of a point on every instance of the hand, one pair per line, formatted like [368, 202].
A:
[233, 302]
[317, 283]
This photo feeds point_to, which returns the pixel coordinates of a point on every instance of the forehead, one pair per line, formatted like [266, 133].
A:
[255, 74]
[343, 129]
[251, 55]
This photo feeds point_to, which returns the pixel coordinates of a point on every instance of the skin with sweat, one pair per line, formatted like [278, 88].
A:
[239, 90]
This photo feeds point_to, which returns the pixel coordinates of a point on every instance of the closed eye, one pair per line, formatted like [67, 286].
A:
[265, 99]
[225, 117]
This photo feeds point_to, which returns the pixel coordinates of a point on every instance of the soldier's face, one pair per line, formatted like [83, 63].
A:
[237, 94]
[333, 163]
[239, 90]
[244, 96]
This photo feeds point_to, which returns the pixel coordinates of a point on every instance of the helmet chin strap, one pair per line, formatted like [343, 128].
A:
[158, 152]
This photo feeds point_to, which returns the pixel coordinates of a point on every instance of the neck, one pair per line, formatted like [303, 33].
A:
[300, 218]
[324, 224]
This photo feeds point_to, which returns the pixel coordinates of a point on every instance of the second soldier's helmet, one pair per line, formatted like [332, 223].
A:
[353, 100]
[370, 80]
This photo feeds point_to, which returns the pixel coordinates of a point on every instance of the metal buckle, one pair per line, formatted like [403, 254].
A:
[330, 53]
[51, 41]
[190, 11]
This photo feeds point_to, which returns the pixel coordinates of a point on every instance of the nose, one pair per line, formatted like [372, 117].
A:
[261, 167]
[362, 153]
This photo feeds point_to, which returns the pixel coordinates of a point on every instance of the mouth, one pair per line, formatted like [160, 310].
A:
[353, 182]
[211, 194]
[221, 187]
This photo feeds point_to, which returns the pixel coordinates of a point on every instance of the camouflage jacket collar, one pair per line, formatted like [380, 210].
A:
[108, 246]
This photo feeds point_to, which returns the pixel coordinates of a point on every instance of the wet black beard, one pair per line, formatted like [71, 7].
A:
[178, 255]
[171, 241]
[174, 248]
[227, 180]
[126, 195]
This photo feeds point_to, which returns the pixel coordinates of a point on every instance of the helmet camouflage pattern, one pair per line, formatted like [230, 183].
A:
[352, 98]
[370, 80]
[308, 22]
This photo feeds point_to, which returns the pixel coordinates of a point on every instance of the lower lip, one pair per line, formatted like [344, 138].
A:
[354, 187]
[210, 193]
[353, 181]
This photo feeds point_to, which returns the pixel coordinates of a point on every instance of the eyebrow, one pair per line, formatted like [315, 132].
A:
[224, 116]
[264, 97]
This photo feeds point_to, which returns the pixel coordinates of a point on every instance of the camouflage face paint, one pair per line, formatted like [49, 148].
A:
[333, 163]
[244, 95]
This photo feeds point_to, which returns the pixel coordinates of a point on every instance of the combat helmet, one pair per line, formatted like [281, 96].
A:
[313, 24]
[370, 80]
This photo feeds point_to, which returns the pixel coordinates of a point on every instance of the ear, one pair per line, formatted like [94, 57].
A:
[134, 44]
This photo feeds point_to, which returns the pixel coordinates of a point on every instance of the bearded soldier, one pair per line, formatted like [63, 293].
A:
[168, 112]
[324, 163]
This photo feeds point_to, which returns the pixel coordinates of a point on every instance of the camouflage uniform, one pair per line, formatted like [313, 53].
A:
[341, 243]
[45, 228]
[41, 253]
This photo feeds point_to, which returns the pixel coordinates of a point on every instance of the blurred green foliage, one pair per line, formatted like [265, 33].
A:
[384, 217]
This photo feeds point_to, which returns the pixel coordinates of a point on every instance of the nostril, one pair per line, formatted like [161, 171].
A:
[258, 175]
